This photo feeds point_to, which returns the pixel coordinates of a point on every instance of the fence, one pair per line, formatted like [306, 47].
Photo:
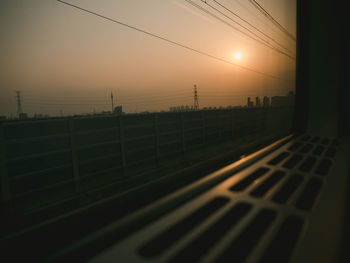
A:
[47, 163]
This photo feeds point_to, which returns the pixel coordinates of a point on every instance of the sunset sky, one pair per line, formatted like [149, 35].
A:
[67, 61]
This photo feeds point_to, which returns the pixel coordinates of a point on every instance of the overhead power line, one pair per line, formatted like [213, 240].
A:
[53, 100]
[271, 18]
[152, 101]
[259, 39]
[68, 100]
[171, 41]
[262, 20]
[121, 101]
[94, 98]
[257, 29]
[106, 100]
[189, 99]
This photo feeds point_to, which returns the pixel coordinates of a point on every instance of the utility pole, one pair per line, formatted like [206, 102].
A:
[19, 104]
[195, 104]
[112, 102]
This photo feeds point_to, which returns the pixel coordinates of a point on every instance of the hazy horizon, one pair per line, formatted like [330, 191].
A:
[64, 59]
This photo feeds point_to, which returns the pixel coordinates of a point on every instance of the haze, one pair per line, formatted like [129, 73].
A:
[66, 61]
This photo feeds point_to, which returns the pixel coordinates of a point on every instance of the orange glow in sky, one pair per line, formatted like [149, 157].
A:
[66, 60]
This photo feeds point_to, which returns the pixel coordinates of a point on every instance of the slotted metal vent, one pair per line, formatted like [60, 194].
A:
[263, 213]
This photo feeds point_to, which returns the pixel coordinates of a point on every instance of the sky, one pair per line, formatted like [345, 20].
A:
[66, 61]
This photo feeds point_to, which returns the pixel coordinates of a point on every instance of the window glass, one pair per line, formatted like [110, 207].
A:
[101, 96]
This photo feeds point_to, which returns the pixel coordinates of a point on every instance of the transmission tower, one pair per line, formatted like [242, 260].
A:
[112, 101]
[19, 104]
[195, 103]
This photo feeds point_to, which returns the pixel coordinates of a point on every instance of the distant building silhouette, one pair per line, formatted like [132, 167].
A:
[278, 101]
[23, 116]
[250, 103]
[257, 102]
[41, 116]
[266, 102]
[118, 110]
[182, 108]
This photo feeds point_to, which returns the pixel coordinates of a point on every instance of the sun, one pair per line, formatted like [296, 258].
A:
[238, 56]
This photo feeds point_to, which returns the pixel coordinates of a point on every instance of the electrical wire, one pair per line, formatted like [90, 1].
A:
[171, 41]
[259, 40]
[121, 100]
[118, 98]
[244, 20]
[271, 18]
[261, 20]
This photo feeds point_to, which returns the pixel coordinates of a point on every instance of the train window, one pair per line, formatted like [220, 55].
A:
[107, 103]
[102, 92]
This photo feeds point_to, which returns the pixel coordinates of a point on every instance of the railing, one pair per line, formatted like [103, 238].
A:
[46, 163]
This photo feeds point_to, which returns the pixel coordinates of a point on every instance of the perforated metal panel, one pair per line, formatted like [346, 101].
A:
[283, 207]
